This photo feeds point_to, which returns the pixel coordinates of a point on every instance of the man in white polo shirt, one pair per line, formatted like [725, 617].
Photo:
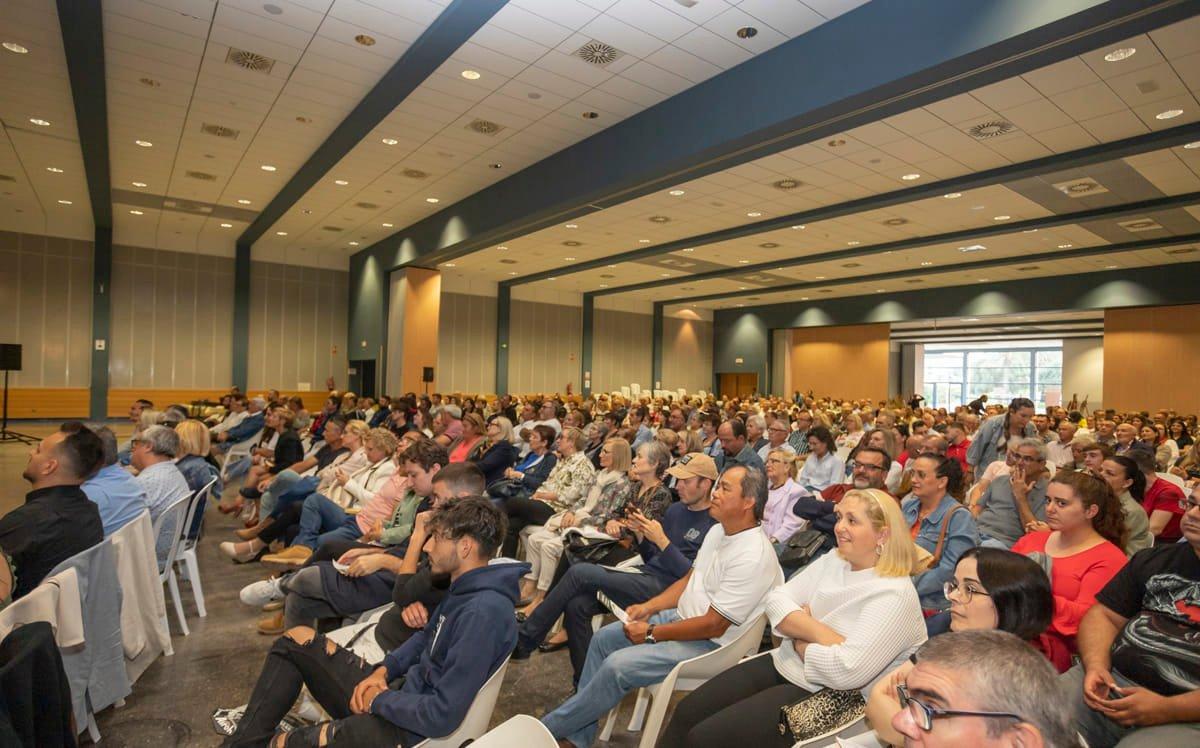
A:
[711, 605]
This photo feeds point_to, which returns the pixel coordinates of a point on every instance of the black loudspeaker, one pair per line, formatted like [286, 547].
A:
[426, 373]
[10, 356]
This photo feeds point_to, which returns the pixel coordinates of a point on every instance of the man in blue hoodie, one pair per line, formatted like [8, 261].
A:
[425, 687]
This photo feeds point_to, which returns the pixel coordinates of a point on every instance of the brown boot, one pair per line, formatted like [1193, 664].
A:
[271, 625]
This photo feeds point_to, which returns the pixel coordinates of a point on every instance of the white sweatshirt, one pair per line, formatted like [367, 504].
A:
[880, 617]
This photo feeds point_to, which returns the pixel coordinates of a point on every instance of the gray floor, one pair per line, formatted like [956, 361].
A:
[217, 663]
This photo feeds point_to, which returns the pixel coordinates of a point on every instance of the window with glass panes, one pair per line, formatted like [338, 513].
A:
[956, 375]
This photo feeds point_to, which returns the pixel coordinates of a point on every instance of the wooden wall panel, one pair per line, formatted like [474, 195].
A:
[48, 402]
[1149, 357]
[849, 361]
[119, 400]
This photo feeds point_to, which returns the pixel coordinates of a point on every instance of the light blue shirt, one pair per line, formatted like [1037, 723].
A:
[164, 484]
[821, 472]
[117, 494]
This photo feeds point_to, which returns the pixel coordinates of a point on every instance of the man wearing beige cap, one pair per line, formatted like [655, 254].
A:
[667, 548]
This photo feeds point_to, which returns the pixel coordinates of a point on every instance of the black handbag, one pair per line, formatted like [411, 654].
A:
[505, 489]
[608, 552]
[802, 548]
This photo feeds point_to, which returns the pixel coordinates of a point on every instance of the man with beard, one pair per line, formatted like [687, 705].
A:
[871, 467]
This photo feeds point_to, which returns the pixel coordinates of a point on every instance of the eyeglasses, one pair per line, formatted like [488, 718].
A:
[1188, 505]
[867, 466]
[952, 586]
[924, 715]
[1027, 458]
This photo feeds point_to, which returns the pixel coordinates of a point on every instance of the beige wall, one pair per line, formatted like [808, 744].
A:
[1148, 358]
[848, 361]
[687, 354]
[419, 344]
[467, 343]
[46, 303]
[172, 319]
[621, 350]
[544, 346]
[297, 326]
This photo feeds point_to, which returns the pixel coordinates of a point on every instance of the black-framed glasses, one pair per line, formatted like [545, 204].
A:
[867, 466]
[924, 715]
[1189, 504]
[952, 586]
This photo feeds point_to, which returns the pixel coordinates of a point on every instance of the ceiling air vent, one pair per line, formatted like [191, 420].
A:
[659, 219]
[572, 243]
[914, 280]
[992, 128]
[1183, 251]
[769, 245]
[1140, 224]
[415, 174]
[895, 222]
[1027, 268]
[7, 178]
[787, 184]
[331, 228]
[676, 262]
[598, 53]
[202, 176]
[508, 262]
[484, 127]
[607, 276]
[219, 130]
[367, 206]
[1147, 87]
[187, 206]
[824, 290]
[852, 265]
[1080, 187]
[249, 60]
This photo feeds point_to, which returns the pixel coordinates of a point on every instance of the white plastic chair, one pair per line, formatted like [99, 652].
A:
[522, 730]
[176, 512]
[237, 452]
[686, 676]
[186, 553]
[1172, 478]
[478, 716]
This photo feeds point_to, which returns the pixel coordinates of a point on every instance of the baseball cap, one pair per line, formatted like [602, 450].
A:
[694, 464]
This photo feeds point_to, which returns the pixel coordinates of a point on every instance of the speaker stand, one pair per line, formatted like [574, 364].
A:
[5, 434]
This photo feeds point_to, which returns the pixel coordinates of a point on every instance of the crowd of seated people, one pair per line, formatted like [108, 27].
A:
[949, 586]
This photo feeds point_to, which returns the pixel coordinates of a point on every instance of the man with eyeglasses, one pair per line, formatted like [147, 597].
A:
[871, 467]
[982, 689]
[1008, 508]
[1139, 644]
[777, 438]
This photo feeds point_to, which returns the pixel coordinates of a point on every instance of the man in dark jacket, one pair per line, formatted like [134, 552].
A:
[425, 687]
[870, 469]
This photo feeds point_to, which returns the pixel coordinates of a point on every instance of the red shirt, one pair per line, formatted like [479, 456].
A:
[1074, 581]
[959, 452]
[1165, 496]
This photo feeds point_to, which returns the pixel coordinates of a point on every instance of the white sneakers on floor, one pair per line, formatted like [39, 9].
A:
[258, 594]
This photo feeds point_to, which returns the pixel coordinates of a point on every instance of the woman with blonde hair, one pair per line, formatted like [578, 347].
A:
[845, 620]
[194, 446]
[498, 453]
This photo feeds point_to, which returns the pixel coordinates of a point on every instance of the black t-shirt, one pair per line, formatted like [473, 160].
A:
[327, 454]
[421, 587]
[1159, 592]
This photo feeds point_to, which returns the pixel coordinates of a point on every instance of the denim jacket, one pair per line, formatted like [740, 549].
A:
[960, 535]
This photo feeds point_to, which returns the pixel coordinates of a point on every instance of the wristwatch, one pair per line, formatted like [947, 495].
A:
[650, 635]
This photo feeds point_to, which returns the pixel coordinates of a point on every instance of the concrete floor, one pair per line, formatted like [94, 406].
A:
[216, 665]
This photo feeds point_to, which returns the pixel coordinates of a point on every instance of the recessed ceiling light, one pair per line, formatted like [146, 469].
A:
[1001, 218]
[754, 214]
[54, 170]
[390, 141]
[280, 233]
[353, 244]
[340, 182]
[431, 200]
[449, 265]
[926, 264]
[1121, 53]
[17, 48]
[952, 195]
[972, 248]
[1169, 114]
[746, 32]
[690, 249]
[676, 193]
[1029, 231]
[365, 40]
[227, 225]
[267, 167]
[471, 75]
[386, 225]
[910, 177]
[1065, 246]
[39, 122]
[602, 285]
[138, 184]
[569, 259]
[612, 266]
[643, 241]
[64, 202]
[572, 226]
[853, 243]
[798, 227]
[552, 279]
[136, 212]
[743, 262]
[513, 272]
[879, 290]
[143, 143]
[666, 275]
[819, 277]
[501, 247]
[496, 165]
[983, 280]
[1193, 145]
[243, 201]
[1111, 267]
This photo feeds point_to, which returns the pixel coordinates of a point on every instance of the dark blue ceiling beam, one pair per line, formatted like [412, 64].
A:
[83, 41]
[853, 70]
[454, 26]
[963, 267]
[1083, 157]
[952, 237]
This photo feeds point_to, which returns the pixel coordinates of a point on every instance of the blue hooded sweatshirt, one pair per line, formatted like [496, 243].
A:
[446, 664]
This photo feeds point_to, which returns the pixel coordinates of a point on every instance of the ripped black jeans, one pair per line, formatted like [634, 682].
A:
[331, 678]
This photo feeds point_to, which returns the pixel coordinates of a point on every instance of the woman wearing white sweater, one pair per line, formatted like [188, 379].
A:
[847, 619]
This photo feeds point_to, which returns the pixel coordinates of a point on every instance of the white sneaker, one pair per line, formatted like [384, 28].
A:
[259, 594]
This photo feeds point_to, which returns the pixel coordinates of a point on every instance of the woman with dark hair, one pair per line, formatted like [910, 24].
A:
[1177, 431]
[938, 523]
[991, 440]
[992, 589]
[1128, 482]
[822, 469]
[1083, 542]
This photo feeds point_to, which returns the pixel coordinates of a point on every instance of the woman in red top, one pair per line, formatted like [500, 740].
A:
[1083, 536]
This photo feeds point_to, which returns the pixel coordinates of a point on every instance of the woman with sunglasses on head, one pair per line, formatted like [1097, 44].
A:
[1082, 537]
[845, 619]
[992, 589]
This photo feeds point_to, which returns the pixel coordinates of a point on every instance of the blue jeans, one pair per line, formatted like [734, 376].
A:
[987, 541]
[287, 488]
[614, 668]
[237, 469]
[322, 520]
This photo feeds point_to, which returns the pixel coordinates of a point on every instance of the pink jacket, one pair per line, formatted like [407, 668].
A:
[380, 506]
